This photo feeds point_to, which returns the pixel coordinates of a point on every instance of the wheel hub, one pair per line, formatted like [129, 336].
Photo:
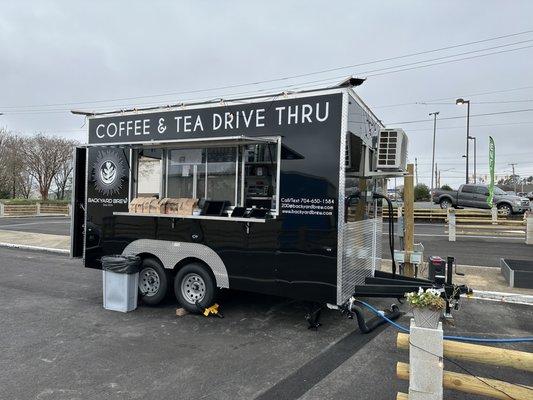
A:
[149, 282]
[193, 288]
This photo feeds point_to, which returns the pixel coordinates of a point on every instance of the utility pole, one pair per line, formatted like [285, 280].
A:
[408, 198]
[467, 102]
[434, 137]
[514, 176]
[475, 160]
[416, 171]
[436, 174]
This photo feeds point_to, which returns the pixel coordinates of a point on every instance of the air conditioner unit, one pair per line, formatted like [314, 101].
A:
[392, 150]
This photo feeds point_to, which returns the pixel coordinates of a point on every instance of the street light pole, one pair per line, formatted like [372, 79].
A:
[467, 102]
[434, 136]
[475, 160]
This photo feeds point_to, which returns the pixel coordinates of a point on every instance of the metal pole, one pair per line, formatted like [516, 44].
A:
[416, 171]
[434, 137]
[467, 135]
[436, 173]
[475, 161]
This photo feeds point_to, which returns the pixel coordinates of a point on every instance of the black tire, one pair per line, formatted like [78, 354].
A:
[505, 209]
[445, 204]
[153, 282]
[194, 283]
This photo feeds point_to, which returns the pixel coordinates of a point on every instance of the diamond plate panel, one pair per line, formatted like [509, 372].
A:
[171, 253]
[360, 254]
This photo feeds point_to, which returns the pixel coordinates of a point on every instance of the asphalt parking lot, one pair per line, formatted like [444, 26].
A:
[48, 225]
[59, 343]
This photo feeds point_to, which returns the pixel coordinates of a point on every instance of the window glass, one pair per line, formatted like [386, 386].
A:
[260, 162]
[468, 189]
[244, 175]
[221, 173]
[482, 190]
[149, 173]
[186, 173]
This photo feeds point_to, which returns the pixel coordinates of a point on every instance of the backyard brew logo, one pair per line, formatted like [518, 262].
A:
[108, 173]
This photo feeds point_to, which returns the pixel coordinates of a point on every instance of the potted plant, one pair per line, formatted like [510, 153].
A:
[427, 306]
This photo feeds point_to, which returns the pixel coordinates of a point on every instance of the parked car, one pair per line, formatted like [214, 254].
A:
[529, 195]
[476, 196]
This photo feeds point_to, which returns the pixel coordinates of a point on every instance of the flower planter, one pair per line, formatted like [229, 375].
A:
[426, 318]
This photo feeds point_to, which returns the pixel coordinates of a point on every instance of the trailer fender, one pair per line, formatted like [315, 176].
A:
[171, 253]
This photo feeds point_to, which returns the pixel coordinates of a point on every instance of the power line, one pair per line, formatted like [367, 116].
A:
[453, 98]
[450, 61]
[462, 116]
[255, 83]
[312, 83]
[471, 126]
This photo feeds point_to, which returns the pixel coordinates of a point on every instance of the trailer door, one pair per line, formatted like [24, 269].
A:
[77, 223]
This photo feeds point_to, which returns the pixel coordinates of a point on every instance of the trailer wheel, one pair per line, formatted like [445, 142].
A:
[195, 287]
[153, 282]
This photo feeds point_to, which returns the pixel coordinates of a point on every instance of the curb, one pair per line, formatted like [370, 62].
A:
[35, 215]
[502, 297]
[36, 248]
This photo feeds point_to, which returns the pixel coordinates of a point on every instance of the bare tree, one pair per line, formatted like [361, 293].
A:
[45, 157]
[11, 163]
[63, 179]
[25, 184]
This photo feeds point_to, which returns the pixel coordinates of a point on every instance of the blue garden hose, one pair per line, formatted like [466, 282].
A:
[457, 338]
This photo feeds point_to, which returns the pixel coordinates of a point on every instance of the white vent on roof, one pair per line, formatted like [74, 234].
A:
[392, 150]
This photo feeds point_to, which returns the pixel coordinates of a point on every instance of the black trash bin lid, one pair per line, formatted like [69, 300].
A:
[121, 264]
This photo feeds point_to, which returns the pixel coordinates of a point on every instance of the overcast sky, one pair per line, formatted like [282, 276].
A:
[58, 53]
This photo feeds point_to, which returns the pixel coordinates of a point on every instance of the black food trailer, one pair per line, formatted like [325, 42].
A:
[270, 194]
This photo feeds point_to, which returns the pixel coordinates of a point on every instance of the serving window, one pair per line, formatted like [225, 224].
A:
[148, 173]
[234, 175]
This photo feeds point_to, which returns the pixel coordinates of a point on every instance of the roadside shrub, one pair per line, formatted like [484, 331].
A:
[421, 192]
[446, 187]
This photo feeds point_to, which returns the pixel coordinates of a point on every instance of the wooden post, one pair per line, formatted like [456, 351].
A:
[529, 227]
[475, 385]
[494, 214]
[425, 363]
[451, 224]
[409, 239]
[481, 354]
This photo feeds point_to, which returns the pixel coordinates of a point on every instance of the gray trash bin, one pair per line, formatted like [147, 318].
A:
[120, 281]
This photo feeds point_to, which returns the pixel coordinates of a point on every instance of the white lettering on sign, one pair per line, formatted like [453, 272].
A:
[294, 114]
[307, 206]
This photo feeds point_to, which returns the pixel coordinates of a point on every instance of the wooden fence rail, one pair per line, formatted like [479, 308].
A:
[447, 349]
[18, 210]
[476, 385]
[488, 225]
[478, 353]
